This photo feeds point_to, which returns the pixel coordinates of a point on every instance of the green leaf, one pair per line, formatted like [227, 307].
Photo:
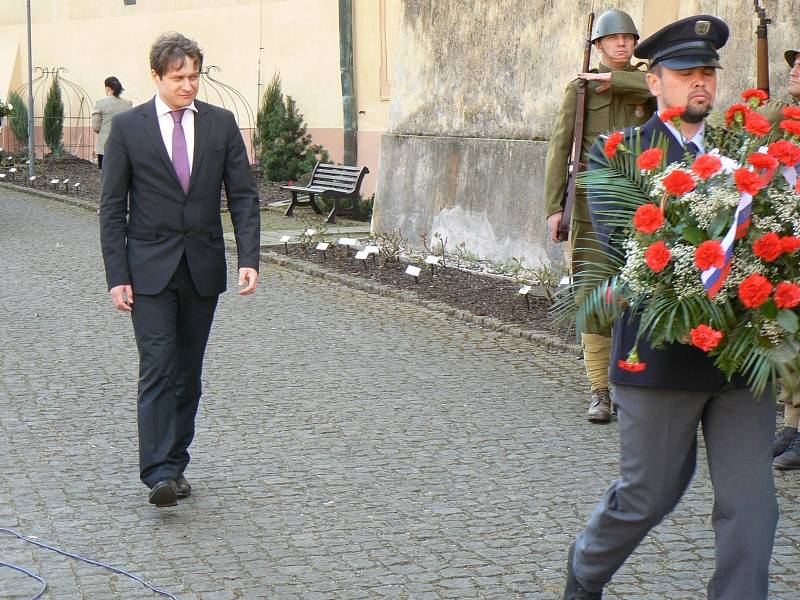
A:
[788, 320]
[694, 235]
[769, 310]
[718, 225]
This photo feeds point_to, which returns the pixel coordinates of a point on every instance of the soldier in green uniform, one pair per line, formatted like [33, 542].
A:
[786, 449]
[617, 97]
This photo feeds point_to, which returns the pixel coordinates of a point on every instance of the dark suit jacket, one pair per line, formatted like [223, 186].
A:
[147, 222]
[673, 366]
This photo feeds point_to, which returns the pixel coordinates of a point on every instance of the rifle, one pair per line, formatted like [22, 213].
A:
[762, 48]
[577, 139]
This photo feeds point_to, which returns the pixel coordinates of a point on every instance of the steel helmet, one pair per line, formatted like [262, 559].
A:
[790, 56]
[611, 22]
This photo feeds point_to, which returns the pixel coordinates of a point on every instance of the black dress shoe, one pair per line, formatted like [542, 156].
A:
[184, 487]
[574, 590]
[164, 493]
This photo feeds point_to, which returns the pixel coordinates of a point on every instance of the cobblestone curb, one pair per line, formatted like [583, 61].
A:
[514, 329]
[71, 200]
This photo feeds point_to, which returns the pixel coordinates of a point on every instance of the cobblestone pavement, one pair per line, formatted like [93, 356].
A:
[349, 446]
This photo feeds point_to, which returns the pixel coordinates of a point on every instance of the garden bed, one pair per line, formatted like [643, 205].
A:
[479, 293]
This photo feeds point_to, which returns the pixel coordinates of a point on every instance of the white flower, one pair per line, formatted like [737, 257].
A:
[728, 164]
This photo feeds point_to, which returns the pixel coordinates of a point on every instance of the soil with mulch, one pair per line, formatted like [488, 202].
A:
[482, 295]
[86, 172]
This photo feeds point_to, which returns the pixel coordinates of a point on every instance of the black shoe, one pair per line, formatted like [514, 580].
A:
[783, 439]
[790, 459]
[184, 487]
[574, 590]
[164, 493]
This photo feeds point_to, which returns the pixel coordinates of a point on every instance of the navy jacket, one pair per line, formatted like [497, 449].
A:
[673, 366]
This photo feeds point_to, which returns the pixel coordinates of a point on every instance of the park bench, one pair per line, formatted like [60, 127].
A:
[337, 182]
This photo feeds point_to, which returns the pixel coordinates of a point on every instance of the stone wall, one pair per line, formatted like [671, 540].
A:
[475, 90]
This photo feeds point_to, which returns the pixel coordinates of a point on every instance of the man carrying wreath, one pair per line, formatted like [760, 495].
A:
[661, 406]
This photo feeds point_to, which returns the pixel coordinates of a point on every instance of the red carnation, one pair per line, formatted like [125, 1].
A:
[792, 112]
[787, 294]
[706, 165]
[747, 181]
[706, 338]
[672, 114]
[785, 151]
[791, 126]
[736, 112]
[632, 363]
[709, 254]
[754, 290]
[790, 244]
[648, 218]
[614, 140]
[657, 256]
[650, 159]
[755, 97]
[768, 246]
[756, 124]
[679, 182]
[762, 161]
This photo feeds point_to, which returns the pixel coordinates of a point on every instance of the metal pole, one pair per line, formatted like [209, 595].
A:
[348, 85]
[31, 155]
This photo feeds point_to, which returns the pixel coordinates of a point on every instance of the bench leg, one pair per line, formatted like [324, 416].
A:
[314, 205]
[332, 215]
[289, 210]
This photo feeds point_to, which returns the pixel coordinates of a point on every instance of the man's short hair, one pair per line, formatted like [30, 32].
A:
[171, 48]
[656, 69]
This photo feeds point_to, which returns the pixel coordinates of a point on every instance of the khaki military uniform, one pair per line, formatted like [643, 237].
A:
[627, 102]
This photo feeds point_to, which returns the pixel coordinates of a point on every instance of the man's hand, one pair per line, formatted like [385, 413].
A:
[553, 222]
[249, 278]
[605, 78]
[122, 297]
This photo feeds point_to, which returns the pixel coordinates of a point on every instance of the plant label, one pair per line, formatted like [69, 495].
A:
[66, 181]
[362, 255]
[32, 178]
[285, 239]
[347, 242]
[523, 291]
[12, 170]
[54, 181]
[310, 232]
[323, 246]
[372, 250]
[2, 175]
[432, 260]
[413, 271]
[564, 280]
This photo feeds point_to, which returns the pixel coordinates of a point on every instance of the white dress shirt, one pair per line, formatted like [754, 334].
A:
[166, 124]
[697, 139]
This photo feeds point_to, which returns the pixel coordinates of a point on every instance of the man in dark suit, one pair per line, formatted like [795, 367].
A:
[160, 230]
[661, 407]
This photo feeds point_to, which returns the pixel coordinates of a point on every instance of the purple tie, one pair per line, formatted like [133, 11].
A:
[180, 154]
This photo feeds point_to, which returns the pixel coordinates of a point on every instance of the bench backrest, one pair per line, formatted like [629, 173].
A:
[337, 177]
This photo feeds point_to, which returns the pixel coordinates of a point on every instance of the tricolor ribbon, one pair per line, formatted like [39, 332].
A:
[714, 277]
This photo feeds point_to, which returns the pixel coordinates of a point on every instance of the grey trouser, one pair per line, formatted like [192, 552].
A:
[658, 448]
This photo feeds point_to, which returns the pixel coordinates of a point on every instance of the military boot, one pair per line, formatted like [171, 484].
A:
[790, 459]
[599, 406]
[783, 439]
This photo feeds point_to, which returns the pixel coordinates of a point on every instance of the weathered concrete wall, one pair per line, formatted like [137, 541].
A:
[470, 77]
[475, 190]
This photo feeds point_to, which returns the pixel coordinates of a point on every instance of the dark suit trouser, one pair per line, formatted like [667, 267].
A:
[172, 330]
[658, 447]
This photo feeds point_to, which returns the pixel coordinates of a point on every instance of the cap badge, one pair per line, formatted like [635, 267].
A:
[702, 27]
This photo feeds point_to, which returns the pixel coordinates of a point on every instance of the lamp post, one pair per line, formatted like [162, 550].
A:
[31, 156]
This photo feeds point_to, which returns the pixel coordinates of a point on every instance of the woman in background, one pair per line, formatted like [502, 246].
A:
[104, 109]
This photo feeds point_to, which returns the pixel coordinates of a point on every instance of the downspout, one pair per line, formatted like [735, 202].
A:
[348, 88]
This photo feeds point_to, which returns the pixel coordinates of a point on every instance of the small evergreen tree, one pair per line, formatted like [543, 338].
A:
[285, 148]
[53, 127]
[18, 119]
